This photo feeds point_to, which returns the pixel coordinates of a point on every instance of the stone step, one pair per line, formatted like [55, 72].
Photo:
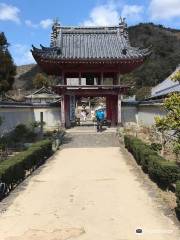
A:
[90, 130]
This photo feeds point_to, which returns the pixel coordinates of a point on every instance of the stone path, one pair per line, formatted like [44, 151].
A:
[90, 189]
[90, 140]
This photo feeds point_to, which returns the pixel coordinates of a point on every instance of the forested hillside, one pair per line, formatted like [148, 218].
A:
[164, 59]
[25, 75]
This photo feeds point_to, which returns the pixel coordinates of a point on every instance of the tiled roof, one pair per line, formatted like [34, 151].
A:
[167, 86]
[43, 93]
[90, 43]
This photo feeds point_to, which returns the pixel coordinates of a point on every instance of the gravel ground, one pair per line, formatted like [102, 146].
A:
[90, 189]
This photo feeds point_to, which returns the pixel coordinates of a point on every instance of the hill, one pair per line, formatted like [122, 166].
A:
[164, 59]
[25, 75]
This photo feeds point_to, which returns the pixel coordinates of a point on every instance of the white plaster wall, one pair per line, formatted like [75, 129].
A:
[51, 116]
[146, 114]
[13, 116]
[141, 114]
[129, 114]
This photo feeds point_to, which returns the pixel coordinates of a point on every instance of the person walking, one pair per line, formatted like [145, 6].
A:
[100, 118]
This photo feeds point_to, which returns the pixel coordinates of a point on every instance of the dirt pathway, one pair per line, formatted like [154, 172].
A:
[84, 193]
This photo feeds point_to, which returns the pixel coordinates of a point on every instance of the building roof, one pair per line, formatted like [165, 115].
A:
[43, 93]
[89, 43]
[166, 87]
[6, 98]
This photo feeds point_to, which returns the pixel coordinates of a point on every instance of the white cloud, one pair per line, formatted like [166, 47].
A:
[46, 23]
[132, 12]
[109, 14]
[9, 13]
[103, 15]
[21, 54]
[30, 24]
[164, 9]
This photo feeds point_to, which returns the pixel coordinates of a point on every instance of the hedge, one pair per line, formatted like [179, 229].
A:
[14, 169]
[159, 169]
[178, 199]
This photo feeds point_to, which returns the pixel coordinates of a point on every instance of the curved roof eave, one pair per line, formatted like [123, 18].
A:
[50, 56]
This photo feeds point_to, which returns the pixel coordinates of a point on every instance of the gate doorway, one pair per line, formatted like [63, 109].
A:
[87, 98]
[81, 110]
[86, 107]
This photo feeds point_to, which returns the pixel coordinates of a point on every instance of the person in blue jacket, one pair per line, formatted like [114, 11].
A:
[100, 118]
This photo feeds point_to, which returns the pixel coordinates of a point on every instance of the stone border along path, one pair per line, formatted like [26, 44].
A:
[90, 189]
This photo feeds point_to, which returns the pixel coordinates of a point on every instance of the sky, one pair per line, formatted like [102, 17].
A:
[27, 22]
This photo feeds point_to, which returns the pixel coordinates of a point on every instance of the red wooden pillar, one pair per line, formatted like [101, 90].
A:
[114, 106]
[66, 111]
[112, 109]
[108, 108]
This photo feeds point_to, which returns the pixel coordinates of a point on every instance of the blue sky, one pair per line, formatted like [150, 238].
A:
[27, 22]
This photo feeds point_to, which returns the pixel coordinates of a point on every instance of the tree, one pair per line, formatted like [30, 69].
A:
[176, 76]
[170, 124]
[7, 67]
[142, 93]
[40, 80]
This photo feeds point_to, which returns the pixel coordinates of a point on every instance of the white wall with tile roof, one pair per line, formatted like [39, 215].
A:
[13, 115]
[167, 86]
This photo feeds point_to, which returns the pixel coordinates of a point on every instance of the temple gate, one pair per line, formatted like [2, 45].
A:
[89, 62]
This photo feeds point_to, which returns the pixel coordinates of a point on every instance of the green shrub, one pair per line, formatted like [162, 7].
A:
[144, 154]
[21, 134]
[160, 170]
[178, 199]
[163, 172]
[14, 169]
[156, 147]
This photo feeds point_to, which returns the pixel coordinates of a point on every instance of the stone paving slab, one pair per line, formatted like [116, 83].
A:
[90, 140]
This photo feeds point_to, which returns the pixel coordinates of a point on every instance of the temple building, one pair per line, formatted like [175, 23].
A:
[166, 87]
[89, 62]
[42, 96]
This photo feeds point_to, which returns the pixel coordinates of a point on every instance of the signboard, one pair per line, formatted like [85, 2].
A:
[72, 108]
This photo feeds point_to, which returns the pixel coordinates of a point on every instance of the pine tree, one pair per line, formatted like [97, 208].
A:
[7, 67]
